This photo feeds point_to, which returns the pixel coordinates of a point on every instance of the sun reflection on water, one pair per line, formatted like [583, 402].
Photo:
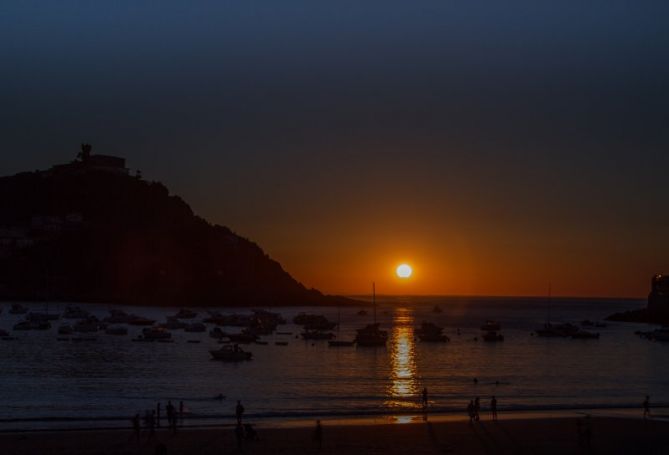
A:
[403, 390]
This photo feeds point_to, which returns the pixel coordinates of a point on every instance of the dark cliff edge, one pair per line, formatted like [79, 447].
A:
[641, 315]
[87, 235]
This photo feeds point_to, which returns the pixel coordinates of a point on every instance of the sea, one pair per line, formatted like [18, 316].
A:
[103, 382]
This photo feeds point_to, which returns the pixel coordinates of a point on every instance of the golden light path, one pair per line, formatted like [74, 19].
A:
[404, 388]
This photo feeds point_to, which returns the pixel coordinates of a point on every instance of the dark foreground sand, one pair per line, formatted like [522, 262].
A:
[515, 436]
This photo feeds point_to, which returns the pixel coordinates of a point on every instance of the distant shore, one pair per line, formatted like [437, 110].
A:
[511, 434]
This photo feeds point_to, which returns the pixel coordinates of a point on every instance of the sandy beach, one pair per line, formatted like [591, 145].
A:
[555, 435]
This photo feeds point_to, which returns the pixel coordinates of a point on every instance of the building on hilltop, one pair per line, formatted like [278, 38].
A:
[87, 162]
[658, 299]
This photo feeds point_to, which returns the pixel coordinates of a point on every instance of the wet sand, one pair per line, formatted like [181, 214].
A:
[536, 435]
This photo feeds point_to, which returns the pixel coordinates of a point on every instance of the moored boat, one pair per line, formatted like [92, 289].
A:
[492, 336]
[156, 333]
[316, 335]
[491, 326]
[185, 313]
[231, 354]
[371, 335]
[431, 333]
[116, 330]
[17, 308]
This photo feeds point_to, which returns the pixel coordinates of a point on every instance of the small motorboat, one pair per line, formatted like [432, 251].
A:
[231, 354]
[139, 320]
[87, 326]
[75, 312]
[185, 314]
[196, 327]
[491, 326]
[492, 336]
[317, 335]
[660, 334]
[173, 324]
[246, 336]
[431, 333]
[156, 333]
[585, 335]
[17, 308]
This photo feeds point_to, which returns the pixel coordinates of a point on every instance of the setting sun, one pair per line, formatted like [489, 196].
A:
[404, 271]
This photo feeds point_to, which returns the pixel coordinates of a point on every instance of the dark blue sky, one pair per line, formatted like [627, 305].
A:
[465, 136]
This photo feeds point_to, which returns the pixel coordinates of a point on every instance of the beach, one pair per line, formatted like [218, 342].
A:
[550, 435]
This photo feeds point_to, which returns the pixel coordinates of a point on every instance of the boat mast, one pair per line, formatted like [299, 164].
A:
[548, 315]
[374, 299]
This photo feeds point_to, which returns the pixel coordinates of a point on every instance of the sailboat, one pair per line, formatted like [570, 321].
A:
[550, 330]
[339, 343]
[371, 334]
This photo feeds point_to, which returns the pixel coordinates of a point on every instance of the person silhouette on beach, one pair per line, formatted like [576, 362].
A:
[239, 412]
[477, 409]
[493, 407]
[181, 412]
[171, 418]
[424, 398]
[136, 427]
[318, 434]
[646, 407]
[476, 380]
[470, 411]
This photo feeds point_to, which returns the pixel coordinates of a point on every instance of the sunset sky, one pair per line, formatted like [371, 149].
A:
[494, 146]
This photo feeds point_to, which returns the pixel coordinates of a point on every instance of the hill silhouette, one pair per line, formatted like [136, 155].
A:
[88, 231]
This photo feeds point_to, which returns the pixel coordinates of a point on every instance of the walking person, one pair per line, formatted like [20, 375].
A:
[318, 434]
[470, 411]
[646, 407]
[477, 409]
[239, 412]
[181, 412]
[424, 399]
[493, 407]
[171, 417]
[136, 427]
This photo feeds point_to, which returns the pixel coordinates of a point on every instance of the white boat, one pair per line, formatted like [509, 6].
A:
[231, 354]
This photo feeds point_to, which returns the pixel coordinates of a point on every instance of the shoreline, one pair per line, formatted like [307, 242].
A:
[510, 434]
[58, 424]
